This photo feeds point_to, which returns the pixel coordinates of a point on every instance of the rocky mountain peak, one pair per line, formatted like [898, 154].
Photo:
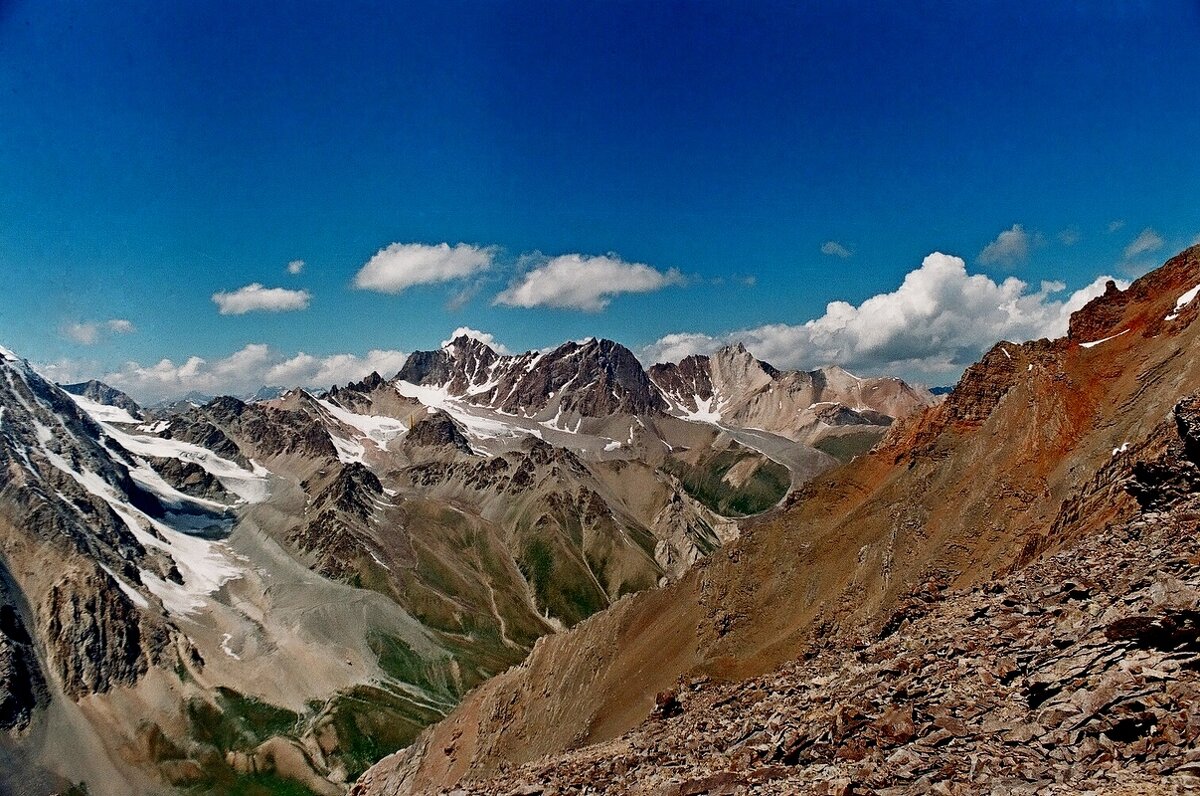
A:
[437, 430]
[1157, 301]
[462, 363]
[733, 367]
[466, 346]
[372, 382]
[594, 377]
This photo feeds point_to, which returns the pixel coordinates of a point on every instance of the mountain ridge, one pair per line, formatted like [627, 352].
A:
[1047, 421]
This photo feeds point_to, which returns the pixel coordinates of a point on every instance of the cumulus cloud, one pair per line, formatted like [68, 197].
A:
[936, 323]
[584, 282]
[1147, 241]
[835, 249]
[1113, 226]
[403, 265]
[92, 332]
[487, 338]
[239, 373]
[1009, 248]
[255, 298]
[295, 267]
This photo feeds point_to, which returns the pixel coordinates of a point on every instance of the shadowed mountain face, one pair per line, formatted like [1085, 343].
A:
[275, 593]
[1043, 451]
[596, 378]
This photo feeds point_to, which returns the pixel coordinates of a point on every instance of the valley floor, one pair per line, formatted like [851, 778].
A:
[1079, 673]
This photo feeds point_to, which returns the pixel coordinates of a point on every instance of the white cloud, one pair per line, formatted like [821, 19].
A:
[487, 338]
[1009, 248]
[240, 373]
[1147, 241]
[295, 267]
[1069, 236]
[91, 332]
[835, 249]
[82, 333]
[937, 322]
[402, 265]
[584, 282]
[1113, 226]
[254, 297]
[305, 370]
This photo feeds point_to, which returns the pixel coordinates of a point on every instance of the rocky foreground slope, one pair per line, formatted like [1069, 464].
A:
[1028, 459]
[1077, 673]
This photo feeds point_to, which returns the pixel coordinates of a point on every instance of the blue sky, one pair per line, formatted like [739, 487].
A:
[154, 155]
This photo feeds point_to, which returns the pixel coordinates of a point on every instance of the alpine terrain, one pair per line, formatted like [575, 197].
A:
[1001, 596]
[268, 596]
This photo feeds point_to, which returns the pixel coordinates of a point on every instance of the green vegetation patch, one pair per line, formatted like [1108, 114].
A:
[561, 584]
[238, 722]
[705, 482]
[250, 785]
[373, 722]
[845, 447]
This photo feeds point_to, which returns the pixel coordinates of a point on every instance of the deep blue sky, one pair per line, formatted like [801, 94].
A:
[154, 153]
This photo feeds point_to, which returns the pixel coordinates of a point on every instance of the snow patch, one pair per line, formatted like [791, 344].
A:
[133, 594]
[225, 639]
[204, 565]
[1095, 343]
[477, 425]
[378, 429]
[251, 487]
[103, 413]
[348, 451]
[1182, 302]
[708, 410]
[1124, 447]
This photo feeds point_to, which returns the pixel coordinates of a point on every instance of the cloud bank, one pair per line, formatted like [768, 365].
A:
[584, 282]
[400, 266]
[256, 298]
[933, 325]
[240, 373]
[91, 332]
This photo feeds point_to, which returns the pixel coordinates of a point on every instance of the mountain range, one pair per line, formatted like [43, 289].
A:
[561, 572]
[236, 596]
[1003, 595]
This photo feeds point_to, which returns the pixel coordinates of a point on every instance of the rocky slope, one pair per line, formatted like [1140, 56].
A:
[828, 407]
[1026, 458]
[1076, 673]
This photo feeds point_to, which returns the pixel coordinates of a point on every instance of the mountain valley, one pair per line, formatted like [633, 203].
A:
[245, 596]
